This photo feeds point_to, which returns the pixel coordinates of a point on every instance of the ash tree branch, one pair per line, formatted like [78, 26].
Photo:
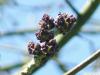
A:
[84, 63]
[32, 66]
[85, 15]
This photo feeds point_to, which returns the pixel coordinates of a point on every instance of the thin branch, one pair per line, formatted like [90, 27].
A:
[60, 64]
[10, 47]
[10, 67]
[16, 65]
[13, 48]
[19, 32]
[41, 60]
[91, 29]
[84, 63]
[86, 29]
[94, 21]
[90, 42]
[72, 7]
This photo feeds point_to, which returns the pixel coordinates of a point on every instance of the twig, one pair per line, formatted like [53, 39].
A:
[13, 48]
[20, 31]
[16, 65]
[86, 29]
[84, 63]
[41, 60]
[94, 21]
[90, 42]
[60, 64]
[6, 68]
[91, 29]
[73, 8]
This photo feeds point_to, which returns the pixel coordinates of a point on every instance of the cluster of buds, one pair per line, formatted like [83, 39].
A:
[46, 23]
[45, 35]
[64, 22]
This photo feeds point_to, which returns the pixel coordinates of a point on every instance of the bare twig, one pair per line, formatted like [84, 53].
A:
[12, 66]
[84, 63]
[13, 48]
[90, 42]
[73, 8]
[60, 64]
[86, 29]
[94, 21]
[6, 68]
[91, 29]
[19, 31]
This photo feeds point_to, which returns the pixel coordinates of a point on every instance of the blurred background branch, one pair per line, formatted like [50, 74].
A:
[18, 32]
[85, 29]
[15, 49]
[72, 7]
[13, 66]
[91, 43]
[60, 64]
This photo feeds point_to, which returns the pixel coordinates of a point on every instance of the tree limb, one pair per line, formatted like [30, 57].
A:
[84, 63]
[85, 15]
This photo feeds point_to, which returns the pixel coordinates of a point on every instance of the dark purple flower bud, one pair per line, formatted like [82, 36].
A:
[52, 47]
[64, 23]
[44, 35]
[46, 22]
[43, 25]
[44, 48]
[49, 48]
[45, 17]
[34, 48]
[30, 47]
[48, 44]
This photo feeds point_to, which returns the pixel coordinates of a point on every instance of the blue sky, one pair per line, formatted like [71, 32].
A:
[27, 15]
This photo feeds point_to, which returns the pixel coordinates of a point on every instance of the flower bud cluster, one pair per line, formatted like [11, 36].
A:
[45, 35]
[64, 22]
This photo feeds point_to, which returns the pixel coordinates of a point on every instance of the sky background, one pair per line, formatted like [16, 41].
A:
[24, 14]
